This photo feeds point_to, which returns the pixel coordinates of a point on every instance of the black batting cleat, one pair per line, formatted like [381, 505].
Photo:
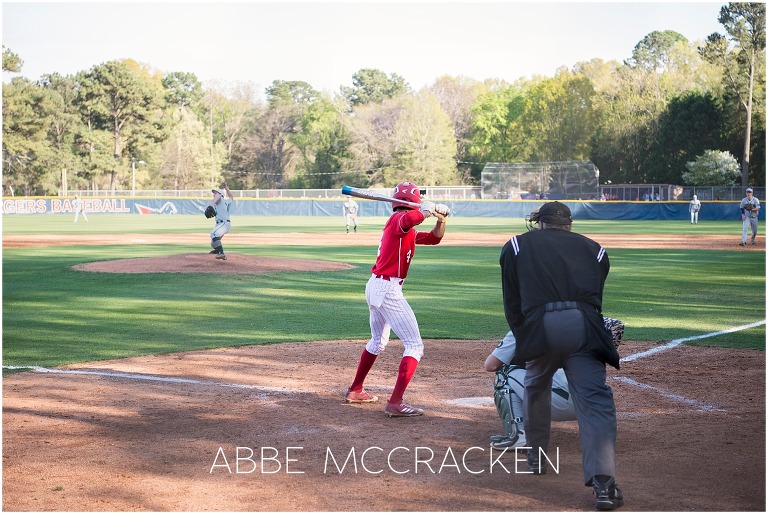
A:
[534, 464]
[607, 494]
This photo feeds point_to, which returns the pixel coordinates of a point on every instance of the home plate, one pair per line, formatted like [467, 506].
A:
[476, 401]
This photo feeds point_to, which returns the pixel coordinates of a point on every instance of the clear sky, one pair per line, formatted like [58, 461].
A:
[325, 43]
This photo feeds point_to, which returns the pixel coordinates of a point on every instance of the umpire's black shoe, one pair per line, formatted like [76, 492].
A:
[607, 494]
[534, 463]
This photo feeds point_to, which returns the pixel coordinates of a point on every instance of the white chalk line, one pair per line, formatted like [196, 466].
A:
[672, 396]
[479, 401]
[151, 378]
[483, 401]
[677, 342]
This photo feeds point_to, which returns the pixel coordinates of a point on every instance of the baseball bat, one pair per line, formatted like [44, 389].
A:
[373, 195]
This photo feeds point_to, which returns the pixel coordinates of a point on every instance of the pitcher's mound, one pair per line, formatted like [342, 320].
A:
[206, 263]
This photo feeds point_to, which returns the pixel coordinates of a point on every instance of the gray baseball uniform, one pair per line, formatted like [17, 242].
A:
[750, 210]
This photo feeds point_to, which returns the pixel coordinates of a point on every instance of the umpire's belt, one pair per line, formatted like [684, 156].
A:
[390, 279]
[560, 306]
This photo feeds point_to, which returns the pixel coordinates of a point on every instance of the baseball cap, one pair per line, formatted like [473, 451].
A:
[556, 213]
[220, 191]
[749, 190]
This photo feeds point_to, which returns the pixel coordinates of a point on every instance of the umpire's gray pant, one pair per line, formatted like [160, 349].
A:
[565, 332]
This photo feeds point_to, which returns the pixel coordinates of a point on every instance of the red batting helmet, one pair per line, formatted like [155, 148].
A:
[408, 192]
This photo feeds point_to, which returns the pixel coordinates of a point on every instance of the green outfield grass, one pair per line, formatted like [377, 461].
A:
[53, 315]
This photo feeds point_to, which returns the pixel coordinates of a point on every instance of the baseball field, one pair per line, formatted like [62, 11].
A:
[140, 373]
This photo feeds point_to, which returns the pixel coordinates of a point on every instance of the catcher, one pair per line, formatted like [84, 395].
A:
[509, 388]
[219, 208]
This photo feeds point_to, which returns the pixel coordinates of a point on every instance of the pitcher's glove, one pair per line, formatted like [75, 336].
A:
[616, 328]
[748, 207]
[210, 212]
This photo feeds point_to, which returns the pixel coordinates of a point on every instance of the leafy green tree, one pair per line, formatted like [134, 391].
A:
[65, 126]
[371, 129]
[322, 143]
[121, 102]
[497, 134]
[424, 144]
[229, 108]
[712, 168]
[292, 93]
[653, 52]
[186, 160]
[25, 130]
[690, 124]
[373, 86]
[11, 61]
[559, 118]
[744, 24]
[456, 96]
[182, 89]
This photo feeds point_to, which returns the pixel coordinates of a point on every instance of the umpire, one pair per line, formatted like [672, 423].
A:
[552, 284]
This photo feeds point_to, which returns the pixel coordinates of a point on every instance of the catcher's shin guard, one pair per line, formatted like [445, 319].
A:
[507, 402]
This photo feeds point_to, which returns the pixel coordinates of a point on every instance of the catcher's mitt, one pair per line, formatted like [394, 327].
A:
[210, 212]
[616, 328]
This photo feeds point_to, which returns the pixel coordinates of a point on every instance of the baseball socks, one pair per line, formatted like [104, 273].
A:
[366, 363]
[404, 374]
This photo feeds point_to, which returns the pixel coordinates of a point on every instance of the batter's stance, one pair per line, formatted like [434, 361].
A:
[221, 206]
[388, 308]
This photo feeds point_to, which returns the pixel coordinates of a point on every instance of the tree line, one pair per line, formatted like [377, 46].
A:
[674, 112]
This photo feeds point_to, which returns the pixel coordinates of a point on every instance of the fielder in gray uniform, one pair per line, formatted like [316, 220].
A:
[750, 210]
[222, 204]
[509, 391]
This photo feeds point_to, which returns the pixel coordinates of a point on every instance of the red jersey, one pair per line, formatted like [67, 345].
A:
[398, 243]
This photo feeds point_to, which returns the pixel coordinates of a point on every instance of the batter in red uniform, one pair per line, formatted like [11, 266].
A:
[388, 308]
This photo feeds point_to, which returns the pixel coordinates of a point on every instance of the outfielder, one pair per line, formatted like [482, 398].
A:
[694, 207]
[750, 209]
[349, 211]
[509, 389]
[220, 207]
[79, 206]
[388, 308]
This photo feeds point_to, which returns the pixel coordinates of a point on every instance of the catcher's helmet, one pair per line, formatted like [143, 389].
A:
[408, 192]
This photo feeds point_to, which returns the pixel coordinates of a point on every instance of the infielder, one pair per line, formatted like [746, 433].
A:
[750, 209]
[220, 207]
[694, 207]
[79, 207]
[509, 389]
[349, 211]
[388, 308]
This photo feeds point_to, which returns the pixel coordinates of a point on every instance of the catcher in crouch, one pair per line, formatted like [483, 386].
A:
[509, 388]
[219, 208]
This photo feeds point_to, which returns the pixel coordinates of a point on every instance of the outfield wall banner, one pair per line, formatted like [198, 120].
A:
[584, 210]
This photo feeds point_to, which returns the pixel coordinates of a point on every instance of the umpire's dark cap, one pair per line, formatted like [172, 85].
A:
[555, 213]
